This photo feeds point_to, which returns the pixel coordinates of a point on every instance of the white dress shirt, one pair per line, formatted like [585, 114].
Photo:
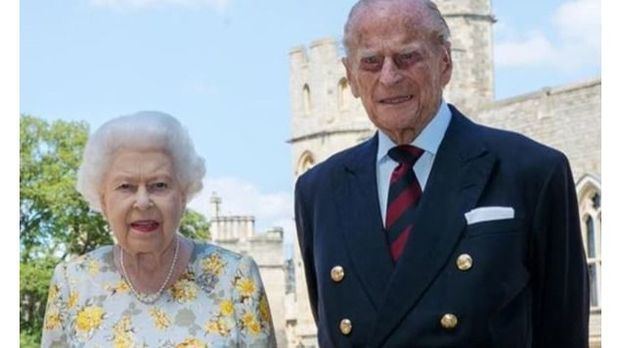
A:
[428, 140]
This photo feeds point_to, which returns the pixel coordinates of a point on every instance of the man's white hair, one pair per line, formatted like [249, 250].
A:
[142, 131]
[436, 21]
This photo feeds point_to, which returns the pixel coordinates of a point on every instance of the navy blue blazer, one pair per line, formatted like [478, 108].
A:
[528, 284]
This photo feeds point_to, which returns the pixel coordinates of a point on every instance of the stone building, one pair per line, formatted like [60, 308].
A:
[237, 233]
[326, 119]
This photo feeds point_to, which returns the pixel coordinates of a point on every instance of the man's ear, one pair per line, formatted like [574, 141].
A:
[351, 77]
[446, 63]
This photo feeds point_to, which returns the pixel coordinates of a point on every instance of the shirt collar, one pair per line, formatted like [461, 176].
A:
[428, 140]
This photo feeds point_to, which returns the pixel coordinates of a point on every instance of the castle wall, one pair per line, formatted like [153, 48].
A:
[566, 118]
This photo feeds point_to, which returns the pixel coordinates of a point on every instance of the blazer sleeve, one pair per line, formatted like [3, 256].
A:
[561, 296]
[303, 222]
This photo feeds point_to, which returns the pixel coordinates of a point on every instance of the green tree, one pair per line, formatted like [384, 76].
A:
[55, 222]
[34, 277]
[54, 219]
[194, 225]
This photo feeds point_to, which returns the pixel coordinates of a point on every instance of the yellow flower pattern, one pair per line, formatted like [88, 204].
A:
[220, 292]
[52, 318]
[263, 308]
[123, 335]
[249, 321]
[191, 343]
[160, 318]
[73, 299]
[218, 326]
[246, 287]
[184, 290]
[227, 308]
[89, 318]
[213, 264]
[53, 293]
[93, 267]
[119, 287]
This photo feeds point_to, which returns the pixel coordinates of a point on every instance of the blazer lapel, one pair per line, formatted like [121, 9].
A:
[362, 225]
[459, 174]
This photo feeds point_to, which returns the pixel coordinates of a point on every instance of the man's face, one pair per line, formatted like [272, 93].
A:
[398, 71]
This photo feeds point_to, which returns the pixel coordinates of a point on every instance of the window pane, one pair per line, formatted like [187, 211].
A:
[593, 287]
[591, 238]
[307, 100]
[596, 201]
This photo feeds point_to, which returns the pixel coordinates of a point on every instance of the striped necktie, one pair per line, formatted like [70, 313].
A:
[403, 196]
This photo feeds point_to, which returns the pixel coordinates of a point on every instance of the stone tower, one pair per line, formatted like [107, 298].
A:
[471, 26]
[325, 113]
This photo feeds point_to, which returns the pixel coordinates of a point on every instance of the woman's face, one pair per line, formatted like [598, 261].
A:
[142, 200]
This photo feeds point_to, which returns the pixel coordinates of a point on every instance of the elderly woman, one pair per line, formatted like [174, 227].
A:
[154, 288]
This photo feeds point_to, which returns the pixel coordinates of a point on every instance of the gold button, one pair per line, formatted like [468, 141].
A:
[464, 262]
[345, 326]
[337, 273]
[449, 321]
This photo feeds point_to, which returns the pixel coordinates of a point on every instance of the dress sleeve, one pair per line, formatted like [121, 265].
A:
[252, 313]
[55, 322]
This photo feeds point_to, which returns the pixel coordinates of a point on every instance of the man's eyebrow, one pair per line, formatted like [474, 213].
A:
[409, 48]
[367, 53]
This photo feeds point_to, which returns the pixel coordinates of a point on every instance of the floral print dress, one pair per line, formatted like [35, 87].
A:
[219, 301]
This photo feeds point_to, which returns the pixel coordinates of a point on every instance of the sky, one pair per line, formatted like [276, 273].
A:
[221, 67]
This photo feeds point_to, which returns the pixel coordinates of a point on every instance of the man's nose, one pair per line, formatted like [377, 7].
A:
[390, 73]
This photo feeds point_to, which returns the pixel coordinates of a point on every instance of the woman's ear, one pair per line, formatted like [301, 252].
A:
[103, 205]
[184, 200]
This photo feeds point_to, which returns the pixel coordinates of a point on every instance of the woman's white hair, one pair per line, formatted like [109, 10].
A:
[142, 131]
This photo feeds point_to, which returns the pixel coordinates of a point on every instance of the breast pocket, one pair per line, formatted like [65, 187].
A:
[495, 227]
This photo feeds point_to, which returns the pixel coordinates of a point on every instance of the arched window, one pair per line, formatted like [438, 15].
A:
[305, 162]
[307, 101]
[344, 94]
[589, 195]
[591, 237]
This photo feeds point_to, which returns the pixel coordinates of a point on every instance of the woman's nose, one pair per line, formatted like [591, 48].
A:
[143, 199]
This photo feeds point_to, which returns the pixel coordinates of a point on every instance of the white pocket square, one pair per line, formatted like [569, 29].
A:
[489, 214]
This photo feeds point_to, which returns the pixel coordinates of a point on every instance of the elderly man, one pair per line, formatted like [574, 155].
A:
[436, 232]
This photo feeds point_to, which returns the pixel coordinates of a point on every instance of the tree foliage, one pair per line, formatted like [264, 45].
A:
[34, 276]
[194, 225]
[55, 222]
[54, 219]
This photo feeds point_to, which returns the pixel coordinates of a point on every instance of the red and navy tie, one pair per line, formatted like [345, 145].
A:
[403, 196]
